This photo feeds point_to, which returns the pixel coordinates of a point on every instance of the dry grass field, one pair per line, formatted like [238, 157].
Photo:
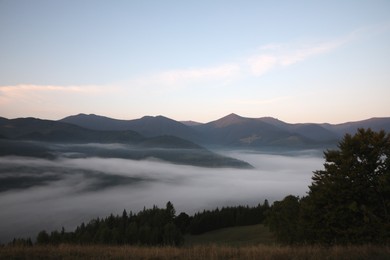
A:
[195, 252]
[234, 236]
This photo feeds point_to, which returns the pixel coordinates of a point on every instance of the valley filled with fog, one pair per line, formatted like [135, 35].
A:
[41, 194]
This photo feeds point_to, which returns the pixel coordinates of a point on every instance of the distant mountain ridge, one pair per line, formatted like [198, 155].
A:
[148, 126]
[32, 137]
[234, 130]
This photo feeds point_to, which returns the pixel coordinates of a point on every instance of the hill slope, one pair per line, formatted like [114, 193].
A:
[234, 130]
[148, 126]
[234, 236]
[45, 139]
[53, 131]
[376, 124]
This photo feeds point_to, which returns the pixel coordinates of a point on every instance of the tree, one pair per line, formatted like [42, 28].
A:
[283, 219]
[170, 210]
[172, 235]
[43, 238]
[349, 201]
[182, 221]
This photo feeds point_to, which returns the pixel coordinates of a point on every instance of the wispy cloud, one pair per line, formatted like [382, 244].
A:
[43, 93]
[50, 101]
[14, 89]
[278, 56]
[151, 88]
[177, 78]
[263, 63]
[218, 72]
[267, 58]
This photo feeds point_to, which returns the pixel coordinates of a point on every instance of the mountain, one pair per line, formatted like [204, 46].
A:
[97, 122]
[234, 130]
[33, 137]
[309, 130]
[148, 126]
[376, 124]
[54, 131]
[166, 139]
[190, 123]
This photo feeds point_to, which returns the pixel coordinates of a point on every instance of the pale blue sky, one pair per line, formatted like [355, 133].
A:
[299, 61]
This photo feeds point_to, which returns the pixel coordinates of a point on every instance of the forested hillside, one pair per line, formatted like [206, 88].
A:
[153, 226]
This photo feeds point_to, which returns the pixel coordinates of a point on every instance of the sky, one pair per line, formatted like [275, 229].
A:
[298, 61]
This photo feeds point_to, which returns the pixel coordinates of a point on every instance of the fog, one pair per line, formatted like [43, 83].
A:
[37, 194]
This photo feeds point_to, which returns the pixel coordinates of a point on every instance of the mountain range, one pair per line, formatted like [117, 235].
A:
[162, 138]
[234, 130]
[32, 137]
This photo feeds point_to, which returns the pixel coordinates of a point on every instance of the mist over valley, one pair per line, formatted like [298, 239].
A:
[46, 194]
[57, 174]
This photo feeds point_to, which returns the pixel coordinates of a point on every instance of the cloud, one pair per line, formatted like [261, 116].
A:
[50, 101]
[49, 88]
[179, 78]
[92, 187]
[279, 56]
[39, 93]
[267, 58]
[262, 64]
[154, 91]
[218, 72]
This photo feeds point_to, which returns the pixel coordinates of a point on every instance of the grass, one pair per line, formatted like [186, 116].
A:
[235, 236]
[249, 242]
[195, 252]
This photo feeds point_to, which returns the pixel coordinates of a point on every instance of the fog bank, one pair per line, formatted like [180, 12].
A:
[38, 194]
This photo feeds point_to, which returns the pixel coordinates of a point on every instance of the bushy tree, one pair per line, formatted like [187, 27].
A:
[43, 237]
[349, 201]
[283, 219]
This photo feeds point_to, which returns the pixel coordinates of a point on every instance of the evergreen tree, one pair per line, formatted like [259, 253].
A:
[170, 210]
[349, 200]
[283, 219]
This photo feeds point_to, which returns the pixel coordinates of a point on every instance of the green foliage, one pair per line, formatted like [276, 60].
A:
[149, 227]
[283, 219]
[348, 201]
[43, 237]
[227, 217]
[234, 236]
[154, 226]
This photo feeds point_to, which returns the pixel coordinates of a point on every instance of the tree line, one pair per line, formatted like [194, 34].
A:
[150, 227]
[227, 217]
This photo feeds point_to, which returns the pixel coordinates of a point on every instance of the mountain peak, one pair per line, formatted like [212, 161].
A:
[233, 115]
[230, 119]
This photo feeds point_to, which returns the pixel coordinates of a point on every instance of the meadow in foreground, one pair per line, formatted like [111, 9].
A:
[196, 252]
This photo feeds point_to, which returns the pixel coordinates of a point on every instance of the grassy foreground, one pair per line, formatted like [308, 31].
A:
[234, 236]
[247, 242]
[195, 252]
